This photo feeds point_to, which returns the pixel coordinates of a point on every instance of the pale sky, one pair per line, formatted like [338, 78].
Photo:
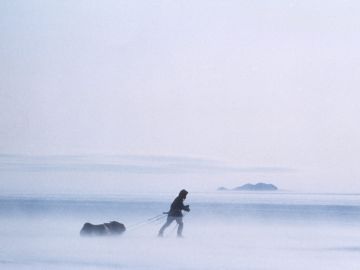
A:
[250, 84]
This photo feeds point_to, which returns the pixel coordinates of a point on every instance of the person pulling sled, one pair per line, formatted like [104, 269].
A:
[175, 213]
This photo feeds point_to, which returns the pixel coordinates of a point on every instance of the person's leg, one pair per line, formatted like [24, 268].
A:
[169, 220]
[180, 227]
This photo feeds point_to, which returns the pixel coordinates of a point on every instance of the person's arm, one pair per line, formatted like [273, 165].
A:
[179, 204]
[185, 207]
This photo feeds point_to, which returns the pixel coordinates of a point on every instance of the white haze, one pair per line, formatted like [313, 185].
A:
[253, 83]
[223, 231]
[91, 174]
[109, 108]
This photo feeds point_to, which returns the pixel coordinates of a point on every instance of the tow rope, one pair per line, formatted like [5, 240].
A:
[146, 222]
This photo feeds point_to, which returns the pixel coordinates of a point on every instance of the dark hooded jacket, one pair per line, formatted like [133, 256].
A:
[178, 205]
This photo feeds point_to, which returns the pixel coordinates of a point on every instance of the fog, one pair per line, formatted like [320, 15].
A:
[120, 174]
[222, 231]
[109, 108]
[257, 84]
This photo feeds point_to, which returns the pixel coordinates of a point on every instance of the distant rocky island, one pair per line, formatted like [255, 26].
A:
[252, 187]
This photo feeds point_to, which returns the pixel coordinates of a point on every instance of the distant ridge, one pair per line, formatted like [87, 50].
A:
[252, 187]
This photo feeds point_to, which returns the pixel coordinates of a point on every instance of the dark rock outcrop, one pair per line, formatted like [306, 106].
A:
[257, 187]
[111, 228]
